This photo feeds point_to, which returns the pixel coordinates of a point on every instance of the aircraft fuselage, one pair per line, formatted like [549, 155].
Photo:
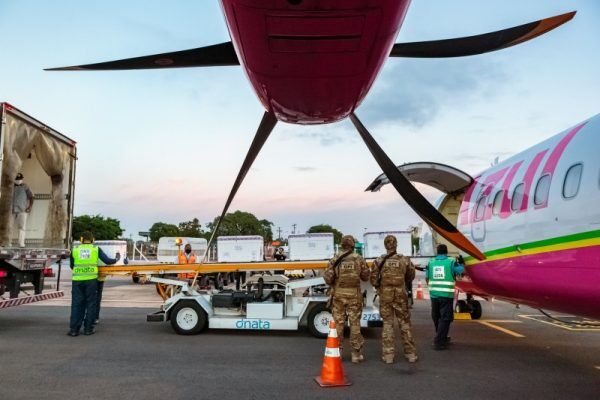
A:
[313, 61]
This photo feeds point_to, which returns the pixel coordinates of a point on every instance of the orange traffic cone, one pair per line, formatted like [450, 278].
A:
[332, 373]
[420, 291]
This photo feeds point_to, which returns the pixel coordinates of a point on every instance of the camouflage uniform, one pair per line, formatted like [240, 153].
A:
[393, 300]
[346, 294]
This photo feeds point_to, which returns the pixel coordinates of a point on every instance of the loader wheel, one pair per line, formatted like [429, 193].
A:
[188, 318]
[161, 289]
[318, 320]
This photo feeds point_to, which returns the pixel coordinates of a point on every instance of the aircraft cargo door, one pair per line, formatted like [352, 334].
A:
[449, 180]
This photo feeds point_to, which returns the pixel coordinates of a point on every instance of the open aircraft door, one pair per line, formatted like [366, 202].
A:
[449, 180]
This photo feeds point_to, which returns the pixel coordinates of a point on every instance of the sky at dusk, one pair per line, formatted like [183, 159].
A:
[166, 145]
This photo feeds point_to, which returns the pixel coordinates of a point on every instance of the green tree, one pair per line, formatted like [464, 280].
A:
[243, 223]
[324, 228]
[160, 229]
[191, 229]
[103, 228]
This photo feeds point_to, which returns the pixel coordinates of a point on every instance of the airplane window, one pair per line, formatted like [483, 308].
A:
[480, 208]
[542, 189]
[572, 181]
[498, 202]
[517, 197]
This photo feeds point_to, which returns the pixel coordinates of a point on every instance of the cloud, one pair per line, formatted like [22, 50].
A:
[413, 91]
[326, 137]
[305, 169]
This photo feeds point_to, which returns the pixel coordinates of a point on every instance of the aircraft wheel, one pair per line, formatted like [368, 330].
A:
[476, 310]
[318, 320]
[462, 307]
[135, 278]
[188, 318]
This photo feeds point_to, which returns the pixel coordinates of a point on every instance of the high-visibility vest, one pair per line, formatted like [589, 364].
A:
[441, 277]
[184, 260]
[85, 262]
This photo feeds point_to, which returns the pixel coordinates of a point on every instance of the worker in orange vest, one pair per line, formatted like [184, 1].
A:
[186, 257]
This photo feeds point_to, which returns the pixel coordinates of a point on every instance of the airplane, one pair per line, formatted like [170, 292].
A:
[535, 217]
[314, 61]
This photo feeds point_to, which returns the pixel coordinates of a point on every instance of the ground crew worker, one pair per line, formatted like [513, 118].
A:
[84, 264]
[344, 273]
[186, 257]
[21, 207]
[100, 288]
[440, 276]
[389, 275]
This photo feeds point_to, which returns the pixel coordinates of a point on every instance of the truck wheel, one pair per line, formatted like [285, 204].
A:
[476, 310]
[188, 318]
[318, 320]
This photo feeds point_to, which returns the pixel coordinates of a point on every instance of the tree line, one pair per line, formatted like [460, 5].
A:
[234, 224]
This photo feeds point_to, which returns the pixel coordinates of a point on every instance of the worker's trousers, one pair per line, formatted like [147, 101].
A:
[442, 315]
[83, 304]
[98, 300]
[20, 223]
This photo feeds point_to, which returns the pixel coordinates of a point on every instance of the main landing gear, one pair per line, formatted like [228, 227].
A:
[470, 306]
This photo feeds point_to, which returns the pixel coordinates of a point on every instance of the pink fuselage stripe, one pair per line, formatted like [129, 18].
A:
[562, 280]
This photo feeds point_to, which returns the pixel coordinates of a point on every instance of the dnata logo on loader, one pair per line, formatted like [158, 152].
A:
[252, 324]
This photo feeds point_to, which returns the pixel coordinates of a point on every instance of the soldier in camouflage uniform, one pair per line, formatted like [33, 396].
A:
[344, 273]
[388, 276]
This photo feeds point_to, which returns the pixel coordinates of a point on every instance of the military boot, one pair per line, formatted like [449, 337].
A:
[357, 356]
[388, 358]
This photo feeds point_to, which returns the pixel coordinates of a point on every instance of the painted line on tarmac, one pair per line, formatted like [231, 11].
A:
[501, 329]
[563, 325]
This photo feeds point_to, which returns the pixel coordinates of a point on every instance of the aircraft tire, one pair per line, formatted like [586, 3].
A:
[476, 309]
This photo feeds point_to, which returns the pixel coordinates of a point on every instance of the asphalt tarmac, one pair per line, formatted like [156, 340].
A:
[503, 356]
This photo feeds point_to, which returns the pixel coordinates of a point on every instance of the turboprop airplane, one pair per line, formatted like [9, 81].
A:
[536, 218]
[314, 61]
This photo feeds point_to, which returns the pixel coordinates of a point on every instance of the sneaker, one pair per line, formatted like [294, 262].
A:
[440, 347]
[411, 358]
[89, 332]
[96, 322]
[73, 333]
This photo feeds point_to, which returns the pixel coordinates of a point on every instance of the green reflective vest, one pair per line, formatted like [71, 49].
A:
[441, 278]
[85, 262]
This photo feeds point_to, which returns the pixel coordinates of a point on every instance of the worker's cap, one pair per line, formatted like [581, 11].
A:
[19, 176]
[390, 242]
[347, 242]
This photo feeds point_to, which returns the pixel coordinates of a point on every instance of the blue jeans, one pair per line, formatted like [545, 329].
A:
[83, 304]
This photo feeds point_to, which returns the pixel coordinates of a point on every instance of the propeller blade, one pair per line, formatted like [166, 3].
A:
[265, 128]
[479, 44]
[211, 56]
[411, 195]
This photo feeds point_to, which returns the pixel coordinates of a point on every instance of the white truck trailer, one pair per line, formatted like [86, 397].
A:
[373, 243]
[46, 158]
[310, 246]
[240, 248]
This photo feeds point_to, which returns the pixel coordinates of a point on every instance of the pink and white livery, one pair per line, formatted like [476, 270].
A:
[535, 216]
